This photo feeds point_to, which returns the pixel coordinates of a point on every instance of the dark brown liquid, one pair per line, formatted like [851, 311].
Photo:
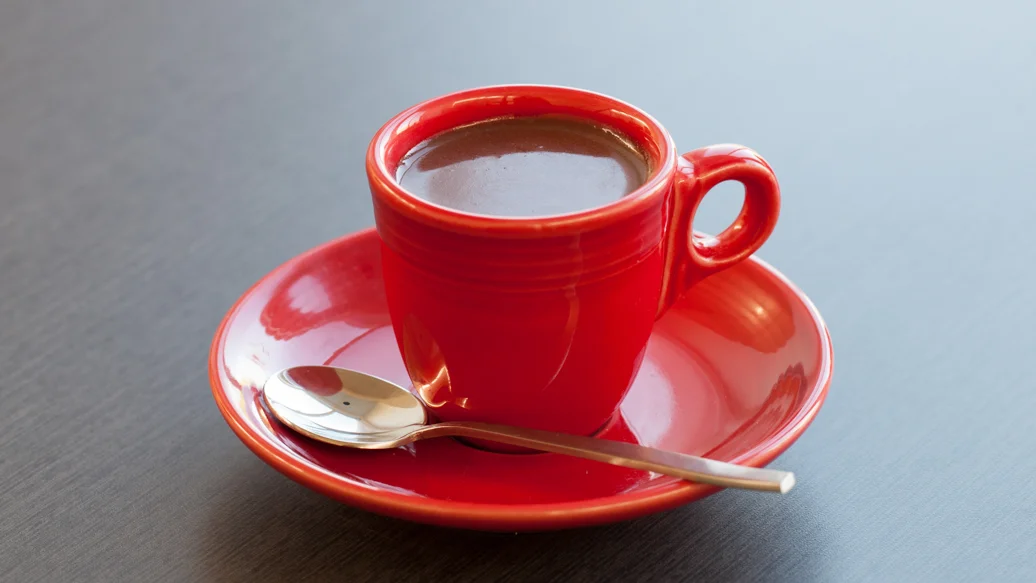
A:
[533, 166]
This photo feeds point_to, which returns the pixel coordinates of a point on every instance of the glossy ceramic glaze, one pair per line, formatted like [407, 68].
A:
[734, 371]
[542, 322]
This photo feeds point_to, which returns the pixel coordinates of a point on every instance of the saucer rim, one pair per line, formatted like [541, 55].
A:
[507, 517]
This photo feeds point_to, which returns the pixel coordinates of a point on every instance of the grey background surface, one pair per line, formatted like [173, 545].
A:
[156, 158]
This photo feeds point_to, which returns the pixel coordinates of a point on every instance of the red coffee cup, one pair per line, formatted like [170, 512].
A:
[543, 322]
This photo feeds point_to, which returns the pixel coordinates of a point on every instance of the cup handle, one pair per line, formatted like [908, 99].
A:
[691, 257]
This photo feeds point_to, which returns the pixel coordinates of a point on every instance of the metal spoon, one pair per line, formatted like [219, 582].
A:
[353, 409]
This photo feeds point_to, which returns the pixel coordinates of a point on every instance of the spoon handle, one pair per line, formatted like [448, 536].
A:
[688, 467]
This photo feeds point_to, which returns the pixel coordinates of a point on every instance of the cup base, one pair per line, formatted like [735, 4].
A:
[494, 447]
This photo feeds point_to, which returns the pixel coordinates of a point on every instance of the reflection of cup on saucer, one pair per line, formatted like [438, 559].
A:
[510, 302]
[315, 293]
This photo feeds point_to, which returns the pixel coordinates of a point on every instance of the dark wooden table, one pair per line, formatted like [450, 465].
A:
[158, 157]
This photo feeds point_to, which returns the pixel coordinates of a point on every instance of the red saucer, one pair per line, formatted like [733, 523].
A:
[735, 371]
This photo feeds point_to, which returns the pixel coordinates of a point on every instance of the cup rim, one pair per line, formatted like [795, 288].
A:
[385, 188]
